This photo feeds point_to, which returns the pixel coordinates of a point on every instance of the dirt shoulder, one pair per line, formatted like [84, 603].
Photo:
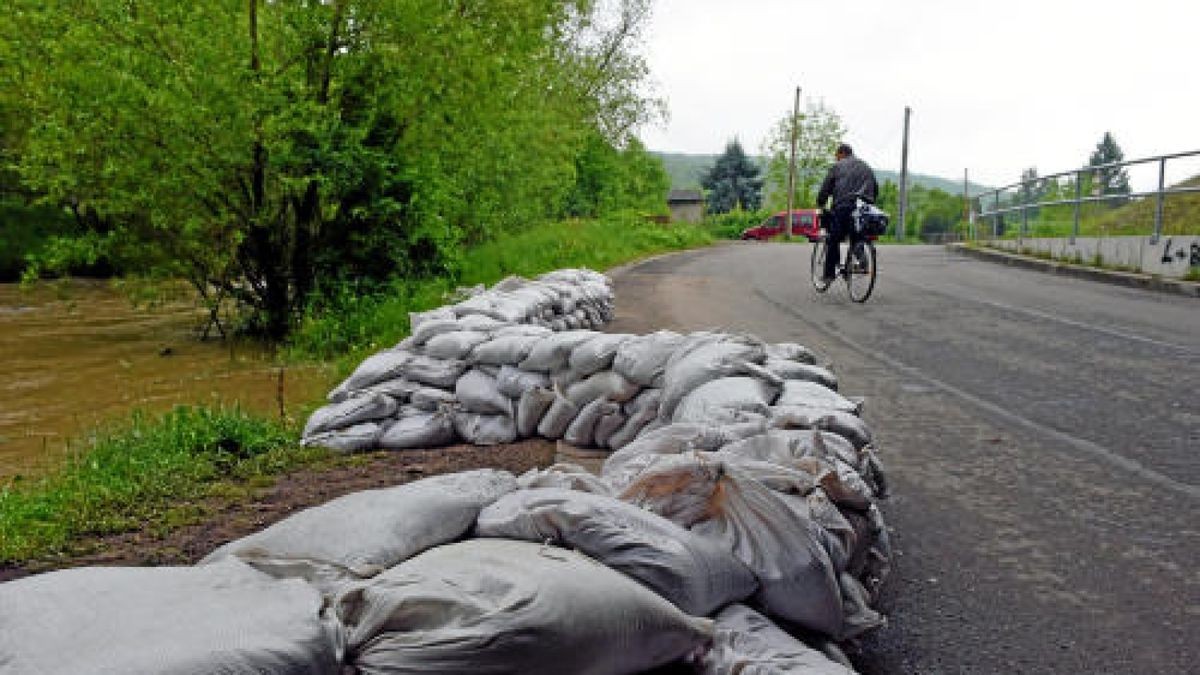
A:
[218, 520]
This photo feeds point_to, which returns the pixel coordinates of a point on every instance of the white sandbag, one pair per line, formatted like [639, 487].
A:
[582, 431]
[553, 352]
[363, 533]
[608, 425]
[422, 430]
[694, 573]
[480, 323]
[429, 399]
[566, 476]
[441, 373]
[643, 358]
[434, 326]
[604, 384]
[719, 500]
[860, 617]
[498, 606]
[702, 358]
[478, 393]
[849, 426]
[815, 395]
[220, 618]
[513, 382]
[673, 439]
[356, 438]
[718, 400]
[505, 349]
[385, 365]
[641, 411]
[350, 412]
[484, 429]
[790, 351]
[416, 319]
[747, 643]
[596, 354]
[792, 370]
[531, 407]
[398, 388]
[523, 329]
[454, 344]
[557, 418]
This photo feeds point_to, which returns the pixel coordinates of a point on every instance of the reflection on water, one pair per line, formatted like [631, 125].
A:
[71, 360]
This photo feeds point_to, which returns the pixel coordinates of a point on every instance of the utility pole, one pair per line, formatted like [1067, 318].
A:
[967, 206]
[792, 168]
[903, 206]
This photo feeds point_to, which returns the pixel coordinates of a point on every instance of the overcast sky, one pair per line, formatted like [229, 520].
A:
[994, 87]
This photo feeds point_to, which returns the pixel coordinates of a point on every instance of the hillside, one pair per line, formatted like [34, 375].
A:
[1181, 214]
[686, 169]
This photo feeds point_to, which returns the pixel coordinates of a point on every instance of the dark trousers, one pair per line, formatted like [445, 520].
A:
[841, 225]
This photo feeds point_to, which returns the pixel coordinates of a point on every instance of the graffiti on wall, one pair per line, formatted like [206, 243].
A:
[1192, 255]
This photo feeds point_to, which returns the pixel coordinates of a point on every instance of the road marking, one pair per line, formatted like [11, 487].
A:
[1085, 445]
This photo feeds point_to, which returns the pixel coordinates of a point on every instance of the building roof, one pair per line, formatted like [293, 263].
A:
[684, 196]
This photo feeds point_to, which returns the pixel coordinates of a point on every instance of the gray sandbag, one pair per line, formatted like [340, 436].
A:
[420, 430]
[356, 438]
[608, 425]
[673, 439]
[719, 400]
[849, 426]
[719, 500]
[643, 358]
[398, 388]
[566, 476]
[747, 643]
[596, 354]
[484, 429]
[523, 329]
[582, 431]
[557, 418]
[494, 606]
[640, 411]
[441, 373]
[508, 349]
[815, 395]
[454, 344]
[385, 365]
[434, 326]
[791, 351]
[703, 357]
[478, 393]
[553, 351]
[430, 399]
[513, 382]
[350, 412]
[694, 573]
[791, 370]
[604, 384]
[363, 533]
[225, 618]
[531, 407]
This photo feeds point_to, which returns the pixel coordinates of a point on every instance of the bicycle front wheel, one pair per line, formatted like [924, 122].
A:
[860, 270]
[819, 282]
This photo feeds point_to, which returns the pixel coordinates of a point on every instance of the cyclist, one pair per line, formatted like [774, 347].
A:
[848, 179]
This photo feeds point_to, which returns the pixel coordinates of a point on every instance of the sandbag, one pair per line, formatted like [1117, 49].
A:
[385, 365]
[720, 400]
[815, 395]
[363, 533]
[553, 352]
[596, 354]
[422, 430]
[356, 438]
[642, 359]
[566, 476]
[398, 388]
[455, 344]
[747, 643]
[791, 370]
[557, 418]
[349, 412]
[531, 407]
[582, 431]
[791, 351]
[718, 500]
[605, 384]
[430, 399]
[478, 393]
[441, 373]
[433, 326]
[513, 382]
[694, 573]
[508, 349]
[847, 425]
[225, 618]
[640, 411]
[608, 425]
[492, 606]
[701, 358]
[484, 429]
[673, 439]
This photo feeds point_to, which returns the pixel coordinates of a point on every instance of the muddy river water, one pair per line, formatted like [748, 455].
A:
[77, 357]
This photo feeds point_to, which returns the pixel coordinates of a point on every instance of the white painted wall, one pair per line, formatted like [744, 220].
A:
[1170, 257]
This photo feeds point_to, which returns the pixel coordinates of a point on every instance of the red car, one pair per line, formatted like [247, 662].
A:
[805, 223]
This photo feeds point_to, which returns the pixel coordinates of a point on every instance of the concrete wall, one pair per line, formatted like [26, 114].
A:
[692, 212]
[1170, 257]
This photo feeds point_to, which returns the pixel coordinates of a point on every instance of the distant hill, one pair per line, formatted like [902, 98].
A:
[686, 169]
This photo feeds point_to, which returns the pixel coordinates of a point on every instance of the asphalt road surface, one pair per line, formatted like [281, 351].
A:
[1041, 435]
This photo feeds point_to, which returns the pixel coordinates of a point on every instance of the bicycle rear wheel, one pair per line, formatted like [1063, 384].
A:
[819, 282]
[860, 270]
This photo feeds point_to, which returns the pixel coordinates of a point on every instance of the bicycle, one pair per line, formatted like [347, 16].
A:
[858, 267]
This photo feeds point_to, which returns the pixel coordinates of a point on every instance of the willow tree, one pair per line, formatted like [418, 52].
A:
[264, 149]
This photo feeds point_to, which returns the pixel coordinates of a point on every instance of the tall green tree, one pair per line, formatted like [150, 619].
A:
[1109, 180]
[819, 129]
[733, 181]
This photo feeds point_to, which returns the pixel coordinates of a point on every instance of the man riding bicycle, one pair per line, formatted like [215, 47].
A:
[848, 179]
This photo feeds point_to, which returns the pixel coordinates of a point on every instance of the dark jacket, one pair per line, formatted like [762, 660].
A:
[850, 177]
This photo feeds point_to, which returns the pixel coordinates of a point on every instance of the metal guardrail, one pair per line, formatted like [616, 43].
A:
[997, 211]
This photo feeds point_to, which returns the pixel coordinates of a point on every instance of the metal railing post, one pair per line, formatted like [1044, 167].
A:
[1078, 196]
[1158, 211]
[996, 218]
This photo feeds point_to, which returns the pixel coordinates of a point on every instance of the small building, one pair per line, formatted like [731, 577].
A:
[686, 205]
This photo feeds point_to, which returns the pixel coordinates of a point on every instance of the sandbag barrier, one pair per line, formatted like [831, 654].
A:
[740, 499]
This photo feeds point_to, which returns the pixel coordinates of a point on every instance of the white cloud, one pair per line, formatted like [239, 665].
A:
[994, 87]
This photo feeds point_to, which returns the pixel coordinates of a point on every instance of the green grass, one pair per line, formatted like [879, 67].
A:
[140, 475]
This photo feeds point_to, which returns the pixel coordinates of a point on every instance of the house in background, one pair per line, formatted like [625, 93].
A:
[686, 205]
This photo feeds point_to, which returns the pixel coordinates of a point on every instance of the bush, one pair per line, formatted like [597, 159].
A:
[730, 225]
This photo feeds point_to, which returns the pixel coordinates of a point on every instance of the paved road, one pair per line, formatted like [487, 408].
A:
[1042, 436]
